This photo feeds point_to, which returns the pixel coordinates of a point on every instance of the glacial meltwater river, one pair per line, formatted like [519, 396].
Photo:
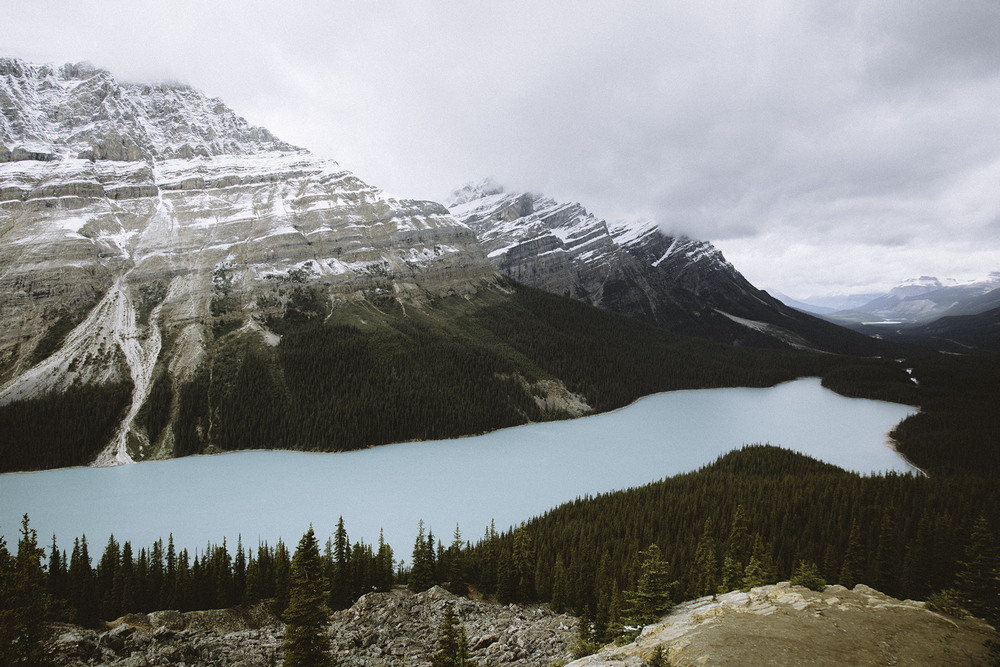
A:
[509, 475]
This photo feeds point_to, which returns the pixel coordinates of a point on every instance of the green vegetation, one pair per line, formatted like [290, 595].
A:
[651, 598]
[452, 644]
[358, 376]
[305, 641]
[60, 429]
[62, 323]
[150, 296]
[957, 430]
[25, 604]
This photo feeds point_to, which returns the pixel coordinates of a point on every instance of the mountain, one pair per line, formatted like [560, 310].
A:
[142, 225]
[634, 268]
[921, 300]
[960, 334]
[176, 281]
[964, 332]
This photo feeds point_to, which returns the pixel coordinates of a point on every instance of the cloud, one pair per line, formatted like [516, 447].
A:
[803, 129]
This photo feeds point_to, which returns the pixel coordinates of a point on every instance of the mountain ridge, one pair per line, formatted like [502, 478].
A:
[634, 268]
[922, 300]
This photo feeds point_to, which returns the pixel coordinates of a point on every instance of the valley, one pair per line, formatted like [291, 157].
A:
[632, 421]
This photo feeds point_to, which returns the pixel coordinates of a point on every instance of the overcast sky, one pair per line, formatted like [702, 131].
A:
[824, 146]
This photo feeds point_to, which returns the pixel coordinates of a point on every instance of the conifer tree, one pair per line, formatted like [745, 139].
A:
[523, 561]
[58, 572]
[617, 602]
[156, 576]
[452, 645]
[807, 574]
[81, 585]
[185, 598]
[341, 582]
[383, 565]
[456, 569]
[560, 586]
[124, 586]
[109, 603]
[24, 602]
[169, 592]
[753, 574]
[306, 643]
[915, 577]
[762, 553]
[705, 577]
[488, 560]
[854, 558]
[422, 568]
[282, 568]
[885, 567]
[651, 598]
[506, 583]
[732, 575]
[740, 543]
[978, 577]
[239, 571]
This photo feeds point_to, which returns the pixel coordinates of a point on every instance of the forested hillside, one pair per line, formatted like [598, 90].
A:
[378, 372]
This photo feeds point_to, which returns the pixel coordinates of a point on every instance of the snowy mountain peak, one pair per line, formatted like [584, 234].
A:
[631, 267]
[81, 111]
[920, 300]
[143, 225]
[472, 191]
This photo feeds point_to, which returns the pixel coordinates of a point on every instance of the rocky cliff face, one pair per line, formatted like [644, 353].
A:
[784, 625]
[135, 220]
[632, 268]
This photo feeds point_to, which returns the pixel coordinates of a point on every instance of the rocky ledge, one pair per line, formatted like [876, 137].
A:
[380, 630]
[784, 625]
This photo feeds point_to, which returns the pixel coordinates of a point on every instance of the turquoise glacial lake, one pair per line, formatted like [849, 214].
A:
[507, 476]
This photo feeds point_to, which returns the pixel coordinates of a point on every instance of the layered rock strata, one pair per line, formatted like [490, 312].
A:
[135, 218]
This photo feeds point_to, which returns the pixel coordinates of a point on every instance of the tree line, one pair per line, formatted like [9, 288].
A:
[359, 376]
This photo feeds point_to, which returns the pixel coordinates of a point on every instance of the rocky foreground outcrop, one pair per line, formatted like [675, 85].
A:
[785, 625]
[380, 630]
[778, 625]
[387, 629]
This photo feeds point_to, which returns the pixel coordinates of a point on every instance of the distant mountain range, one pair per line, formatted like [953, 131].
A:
[924, 299]
[944, 314]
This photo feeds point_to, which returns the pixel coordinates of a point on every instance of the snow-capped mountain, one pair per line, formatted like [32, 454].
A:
[632, 268]
[174, 281]
[924, 299]
[136, 220]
